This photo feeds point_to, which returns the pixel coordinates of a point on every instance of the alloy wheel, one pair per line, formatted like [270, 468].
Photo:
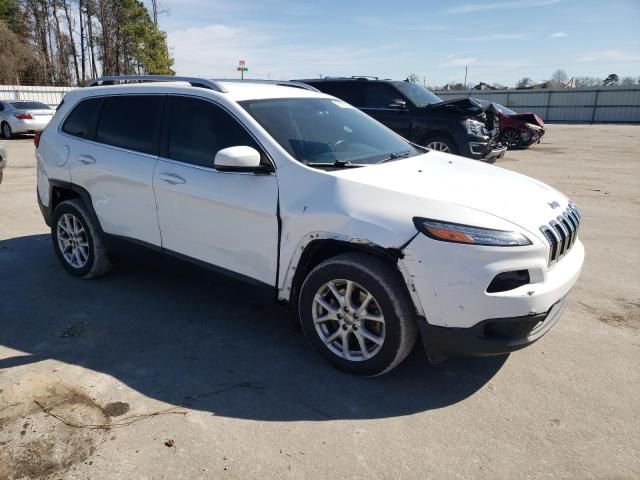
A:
[73, 241]
[348, 320]
[511, 138]
[439, 146]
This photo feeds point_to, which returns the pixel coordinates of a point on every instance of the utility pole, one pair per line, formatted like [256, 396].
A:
[465, 77]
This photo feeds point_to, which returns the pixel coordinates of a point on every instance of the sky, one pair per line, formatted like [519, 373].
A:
[498, 40]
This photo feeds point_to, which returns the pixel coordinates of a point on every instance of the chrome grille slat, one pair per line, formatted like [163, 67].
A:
[562, 232]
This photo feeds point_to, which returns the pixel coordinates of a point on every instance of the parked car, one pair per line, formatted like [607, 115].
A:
[23, 116]
[3, 160]
[519, 130]
[370, 238]
[463, 126]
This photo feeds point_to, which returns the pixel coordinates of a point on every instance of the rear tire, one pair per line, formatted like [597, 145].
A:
[7, 133]
[77, 241]
[356, 313]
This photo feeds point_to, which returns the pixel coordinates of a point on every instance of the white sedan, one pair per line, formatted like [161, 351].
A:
[23, 116]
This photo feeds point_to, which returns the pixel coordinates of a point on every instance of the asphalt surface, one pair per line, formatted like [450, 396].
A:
[201, 377]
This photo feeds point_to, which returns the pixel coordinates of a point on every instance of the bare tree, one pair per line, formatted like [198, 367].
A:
[559, 76]
[413, 78]
[524, 82]
[70, 26]
[627, 81]
[583, 82]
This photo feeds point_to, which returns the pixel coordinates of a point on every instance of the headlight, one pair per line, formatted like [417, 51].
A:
[532, 126]
[474, 127]
[457, 233]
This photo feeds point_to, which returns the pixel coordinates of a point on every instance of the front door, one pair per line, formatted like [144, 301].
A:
[226, 219]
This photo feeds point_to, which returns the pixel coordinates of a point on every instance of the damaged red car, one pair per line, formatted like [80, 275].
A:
[519, 130]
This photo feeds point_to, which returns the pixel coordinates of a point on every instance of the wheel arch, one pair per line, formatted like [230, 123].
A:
[59, 191]
[319, 247]
[439, 133]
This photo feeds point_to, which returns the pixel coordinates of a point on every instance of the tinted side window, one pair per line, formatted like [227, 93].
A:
[130, 121]
[381, 95]
[351, 91]
[198, 130]
[81, 122]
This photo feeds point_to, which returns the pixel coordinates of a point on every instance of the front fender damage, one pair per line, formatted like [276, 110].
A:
[285, 290]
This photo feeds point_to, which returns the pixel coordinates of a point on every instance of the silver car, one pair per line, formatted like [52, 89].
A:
[23, 116]
[3, 160]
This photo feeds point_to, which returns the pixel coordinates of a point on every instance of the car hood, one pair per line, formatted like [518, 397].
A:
[467, 105]
[429, 184]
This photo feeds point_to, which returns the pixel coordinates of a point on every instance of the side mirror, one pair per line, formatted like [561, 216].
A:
[237, 159]
[397, 103]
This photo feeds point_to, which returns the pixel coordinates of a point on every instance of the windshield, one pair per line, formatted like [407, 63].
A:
[504, 110]
[29, 106]
[419, 96]
[324, 131]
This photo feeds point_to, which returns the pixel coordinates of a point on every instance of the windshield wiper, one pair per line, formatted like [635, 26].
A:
[395, 156]
[336, 164]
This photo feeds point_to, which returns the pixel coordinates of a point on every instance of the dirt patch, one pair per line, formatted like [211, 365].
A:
[625, 314]
[116, 409]
[36, 445]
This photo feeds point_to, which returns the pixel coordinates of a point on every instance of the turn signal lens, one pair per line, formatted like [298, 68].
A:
[457, 233]
[449, 235]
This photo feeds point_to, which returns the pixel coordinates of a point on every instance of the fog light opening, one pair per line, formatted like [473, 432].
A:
[506, 281]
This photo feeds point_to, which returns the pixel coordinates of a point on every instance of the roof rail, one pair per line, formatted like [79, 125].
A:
[194, 81]
[281, 83]
[365, 77]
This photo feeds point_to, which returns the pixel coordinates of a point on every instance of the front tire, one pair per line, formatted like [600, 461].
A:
[356, 313]
[441, 143]
[77, 241]
[511, 138]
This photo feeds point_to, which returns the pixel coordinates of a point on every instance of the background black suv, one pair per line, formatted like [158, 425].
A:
[462, 126]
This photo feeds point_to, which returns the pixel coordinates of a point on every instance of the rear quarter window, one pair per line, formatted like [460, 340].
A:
[81, 122]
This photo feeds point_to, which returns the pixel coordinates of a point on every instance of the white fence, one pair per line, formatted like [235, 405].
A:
[579, 105]
[48, 95]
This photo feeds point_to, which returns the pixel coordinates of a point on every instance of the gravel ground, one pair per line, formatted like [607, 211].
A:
[201, 377]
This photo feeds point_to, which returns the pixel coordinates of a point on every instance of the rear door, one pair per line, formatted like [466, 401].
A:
[379, 103]
[114, 161]
[351, 91]
[225, 219]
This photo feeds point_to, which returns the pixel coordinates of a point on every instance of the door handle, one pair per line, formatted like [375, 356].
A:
[171, 178]
[86, 159]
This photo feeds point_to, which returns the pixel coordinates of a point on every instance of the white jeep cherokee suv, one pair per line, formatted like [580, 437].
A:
[369, 237]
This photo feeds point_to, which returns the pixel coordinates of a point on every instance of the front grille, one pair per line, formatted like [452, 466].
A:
[562, 233]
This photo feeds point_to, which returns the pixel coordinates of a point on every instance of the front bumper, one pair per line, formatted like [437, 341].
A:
[495, 336]
[529, 136]
[448, 283]
[483, 148]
